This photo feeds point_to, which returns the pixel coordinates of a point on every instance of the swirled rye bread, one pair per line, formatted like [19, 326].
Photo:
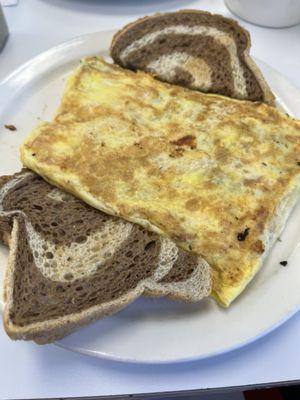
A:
[70, 264]
[195, 49]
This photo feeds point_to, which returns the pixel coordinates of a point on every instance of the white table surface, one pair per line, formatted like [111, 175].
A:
[31, 371]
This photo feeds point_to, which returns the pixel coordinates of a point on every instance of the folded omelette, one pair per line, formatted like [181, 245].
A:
[218, 176]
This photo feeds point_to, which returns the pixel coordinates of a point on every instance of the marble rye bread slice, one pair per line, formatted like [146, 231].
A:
[195, 49]
[70, 264]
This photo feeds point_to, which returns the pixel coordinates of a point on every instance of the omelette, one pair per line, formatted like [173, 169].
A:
[216, 175]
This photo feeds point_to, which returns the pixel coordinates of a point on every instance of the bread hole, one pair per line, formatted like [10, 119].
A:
[37, 207]
[80, 239]
[49, 255]
[150, 245]
[95, 249]
[60, 289]
[68, 276]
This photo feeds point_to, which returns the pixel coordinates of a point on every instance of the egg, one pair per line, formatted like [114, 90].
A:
[216, 175]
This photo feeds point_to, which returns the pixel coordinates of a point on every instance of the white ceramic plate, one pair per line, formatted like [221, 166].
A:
[155, 330]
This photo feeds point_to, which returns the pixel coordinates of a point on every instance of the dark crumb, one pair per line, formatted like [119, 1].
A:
[190, 247]
[33, 154]
[264, 164]
[188, 140]
[298, 163]
[279, 240]
[10, 127]
[283, 263]
[241, 236]
[236, 217]
[102, 144]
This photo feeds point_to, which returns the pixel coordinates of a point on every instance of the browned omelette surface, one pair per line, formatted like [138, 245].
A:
[216, 175]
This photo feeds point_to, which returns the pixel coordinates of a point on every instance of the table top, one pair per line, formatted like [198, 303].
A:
[48, 371]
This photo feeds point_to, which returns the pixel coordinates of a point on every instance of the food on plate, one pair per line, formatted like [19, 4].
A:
[10, 127]
[70, 264]
[195, 49]
[218, 176]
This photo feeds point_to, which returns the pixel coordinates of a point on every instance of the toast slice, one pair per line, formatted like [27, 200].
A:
[70, 264]
[195, 49]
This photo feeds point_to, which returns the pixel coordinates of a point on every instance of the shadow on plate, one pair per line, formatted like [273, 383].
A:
[119, 7]
[161, 309]
[138, 313]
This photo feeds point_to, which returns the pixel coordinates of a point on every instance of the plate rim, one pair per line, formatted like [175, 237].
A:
[107, 356]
